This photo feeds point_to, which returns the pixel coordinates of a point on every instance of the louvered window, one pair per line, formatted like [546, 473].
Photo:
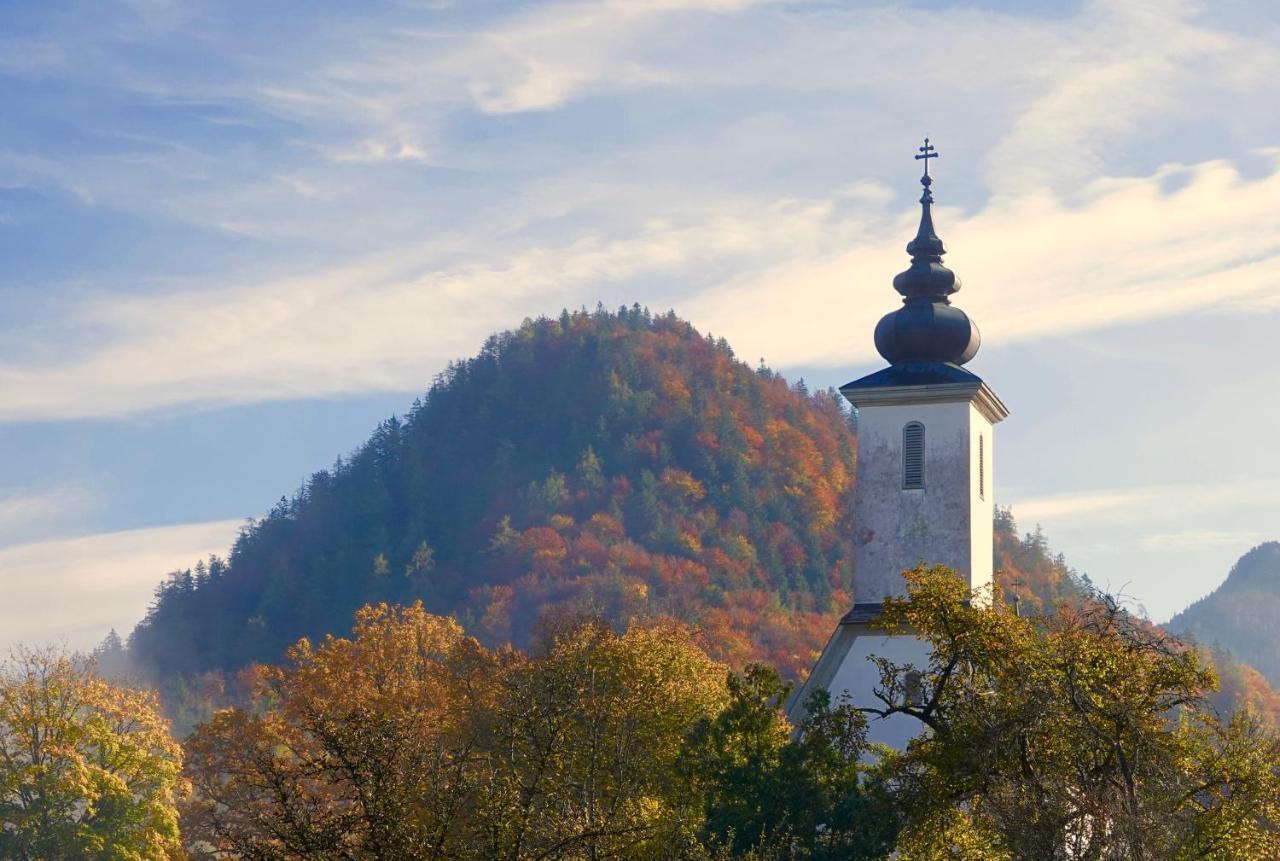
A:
[982, 467]
[913, 456]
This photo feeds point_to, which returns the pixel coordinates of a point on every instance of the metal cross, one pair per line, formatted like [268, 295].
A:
[927, 152]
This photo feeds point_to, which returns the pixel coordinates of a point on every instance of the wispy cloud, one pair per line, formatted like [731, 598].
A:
[23, 512]
[387, 324]
[1066, 505]
[393, 205]
[1130, 506]
[533, 60]
[1200, 539]
[1163, 543]
[1037, 266]
[753, 272]
[75, 590]
[1120, 67]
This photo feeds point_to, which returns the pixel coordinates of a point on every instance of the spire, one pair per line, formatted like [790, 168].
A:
[926, 241]
[927, 276]
[927, 328]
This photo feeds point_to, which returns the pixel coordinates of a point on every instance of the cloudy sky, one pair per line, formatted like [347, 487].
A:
[236, 235]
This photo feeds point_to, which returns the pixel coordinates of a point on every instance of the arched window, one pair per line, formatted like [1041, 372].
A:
[982, 467]
[913, 456]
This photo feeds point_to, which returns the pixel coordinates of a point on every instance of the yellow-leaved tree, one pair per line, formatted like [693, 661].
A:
[88, 769]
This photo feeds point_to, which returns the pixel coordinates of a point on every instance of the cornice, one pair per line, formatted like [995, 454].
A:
[978, 393]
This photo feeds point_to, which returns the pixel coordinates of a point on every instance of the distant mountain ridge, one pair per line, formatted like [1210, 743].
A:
[1243, 614]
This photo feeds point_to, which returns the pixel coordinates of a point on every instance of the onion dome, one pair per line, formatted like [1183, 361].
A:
[927, 328]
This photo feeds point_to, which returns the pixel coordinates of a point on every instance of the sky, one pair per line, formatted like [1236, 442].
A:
[234, 236]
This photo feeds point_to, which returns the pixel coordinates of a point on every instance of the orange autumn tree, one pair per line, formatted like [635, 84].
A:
[409, 740]
[362, 740]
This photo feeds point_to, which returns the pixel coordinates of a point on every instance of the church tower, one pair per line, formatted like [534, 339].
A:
[925, 476]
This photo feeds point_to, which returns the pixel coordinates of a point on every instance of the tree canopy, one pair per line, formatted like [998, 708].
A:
[1086, 733]
[410, 740]
[88, 770]
[1082, 734]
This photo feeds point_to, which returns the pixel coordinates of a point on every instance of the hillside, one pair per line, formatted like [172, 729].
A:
[1240, 615]
[612, 463]
[615, 464]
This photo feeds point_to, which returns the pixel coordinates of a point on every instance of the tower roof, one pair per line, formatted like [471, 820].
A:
[927, 328]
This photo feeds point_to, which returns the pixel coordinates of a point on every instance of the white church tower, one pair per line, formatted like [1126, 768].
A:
[925, 475]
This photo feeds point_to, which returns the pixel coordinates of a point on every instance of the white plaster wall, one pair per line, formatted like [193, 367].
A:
[945, 523]
[858, 678]
[982, 505]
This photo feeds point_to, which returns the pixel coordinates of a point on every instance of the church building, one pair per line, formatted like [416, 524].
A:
[925, 479]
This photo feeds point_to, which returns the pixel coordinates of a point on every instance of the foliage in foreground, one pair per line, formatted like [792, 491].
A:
[1084, 735]
[1080, 735]
[88, 770]
[772, 793]
[412, 741]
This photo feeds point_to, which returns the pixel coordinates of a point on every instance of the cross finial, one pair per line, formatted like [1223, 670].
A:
[927, 152]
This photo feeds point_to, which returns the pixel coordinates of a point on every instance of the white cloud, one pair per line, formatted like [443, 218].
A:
[372, 151]
[1065, 505]
[1033, 266]
[532, 61]
[649, 219]
[23, 510]
[386, 325]
[753, 271]
[75, 590]
[1167, 544]
[1116, 68]
[1125, 507]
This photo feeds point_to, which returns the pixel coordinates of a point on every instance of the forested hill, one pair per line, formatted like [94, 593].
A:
[612, 463]
[615, 464]
[1241, 614]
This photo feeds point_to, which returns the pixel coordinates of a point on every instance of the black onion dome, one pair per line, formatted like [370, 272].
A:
[924, 331]
[927, 328]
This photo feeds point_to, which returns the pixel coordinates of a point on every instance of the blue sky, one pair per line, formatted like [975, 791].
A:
[237, 235]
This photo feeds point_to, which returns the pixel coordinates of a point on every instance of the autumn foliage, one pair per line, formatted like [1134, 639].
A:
[412, 741]
[1080, 734]
[619, 464]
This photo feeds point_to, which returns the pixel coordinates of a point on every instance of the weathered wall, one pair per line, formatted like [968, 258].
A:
[947, 522]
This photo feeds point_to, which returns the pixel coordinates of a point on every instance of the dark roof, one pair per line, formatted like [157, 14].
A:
[862, 614]
[914, 374]
[927, 328]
